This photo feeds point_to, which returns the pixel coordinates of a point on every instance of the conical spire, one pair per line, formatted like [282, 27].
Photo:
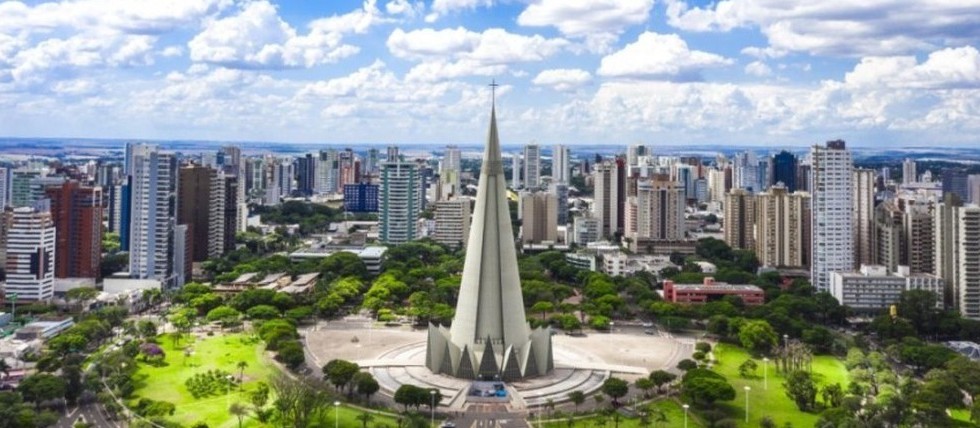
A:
[490, 318]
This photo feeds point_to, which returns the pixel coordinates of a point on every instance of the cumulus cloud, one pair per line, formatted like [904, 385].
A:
[659, 57]
[876, 27]
[458, 52]
[258, 38]
[405, 8]
[599, 22]
[943, 69]
[444, 7]
[758, 69]
[563, 79]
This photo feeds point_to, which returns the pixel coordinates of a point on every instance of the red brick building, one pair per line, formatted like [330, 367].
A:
[710, 290]
[77, 214]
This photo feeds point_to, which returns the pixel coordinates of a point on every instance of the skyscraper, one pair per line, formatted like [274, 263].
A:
[449, 173]
[153, 215]
[490, 337]
[76, 212]
[946, 232]
[516, 171]
[746, 172]
[784, 170]
[306, 174]
[605, 206]
[4, 187]
[201, 197]
[532, 166]
[967, 281]
[30, 263]
[561, 167]
[539, 220]
[740, 219]
[560, 190]
[832, 212]
[863, 202]
[659, 210]
[398, 202]
[956, 181]
[909, 173]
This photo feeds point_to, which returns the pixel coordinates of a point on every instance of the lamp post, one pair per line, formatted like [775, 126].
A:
[686, 406]
[432, 408]
[786, 341]
[336, 414]
[765, 373]
[747, 389]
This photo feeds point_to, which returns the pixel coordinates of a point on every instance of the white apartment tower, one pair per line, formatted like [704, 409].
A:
[532, 166]
[153, 215]
[909, 172]
[659, 210]
[449, 171]
[781, 227]
[539, 217]
[398, 202]
[967, 281]
[30, 255]
[832, 213]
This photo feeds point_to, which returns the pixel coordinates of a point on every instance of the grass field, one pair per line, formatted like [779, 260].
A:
[222, 353]
[771, 401]
[672, 410]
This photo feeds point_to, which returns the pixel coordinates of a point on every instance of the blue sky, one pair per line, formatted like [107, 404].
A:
[756, 72]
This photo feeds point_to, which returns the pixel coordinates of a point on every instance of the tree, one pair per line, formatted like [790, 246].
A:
[365, 417]
[615, 388]
[340, 373]
[577, 398]
[299, 402]
[291, 354]
[147, 328]
[801, 389]
[81, 294]
[366, 384]
[242, 365]
[833, 395]
[644, 384]
[757, 335]
[225, 315]
[41, 387]
[687, 364]
[705, 387]
[747, 368]
[262, 312]
[239, 411]
[543, 307]
[661, 378]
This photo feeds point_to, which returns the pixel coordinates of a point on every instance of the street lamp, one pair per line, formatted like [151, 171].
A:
[336, 414]
[765, 373]
[786, 341]
[747, 389]
[686, 406]
[432, 408]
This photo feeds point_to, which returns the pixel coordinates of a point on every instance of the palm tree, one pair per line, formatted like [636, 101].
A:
[365, 418]
[239, 411]
[577, 397]
[241, 373]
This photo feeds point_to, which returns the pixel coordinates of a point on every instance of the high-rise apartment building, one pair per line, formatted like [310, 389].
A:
[532, 166]
[398, 202]
[20, 187]
[516, 171]
[946, 232]
[450, 169]
[909, 173]
[746, 172]
[561, 168]
[76, 211]
[919, 233]
[560, 190]
[956, 181]
[740, 219]
[832, 212]
[452, 220]
[4, 187]
[606, 204]
[326, 172]
[863, 201]
[306, 174]
[659, 210]
[539, 217]
[153, 215]
[201, 196]
[30, 263]
[782, 227]
[890, 247]
[967, 281]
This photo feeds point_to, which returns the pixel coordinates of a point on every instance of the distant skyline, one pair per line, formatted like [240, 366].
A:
[787, 73]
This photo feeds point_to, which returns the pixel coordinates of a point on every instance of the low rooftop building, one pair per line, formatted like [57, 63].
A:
[711, 290]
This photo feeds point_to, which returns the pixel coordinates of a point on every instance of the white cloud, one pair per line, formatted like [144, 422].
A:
[563, 79]
[659, 57]
[444, 7]
[257, 37]
[946, 68]
[600, 22]
[874, 27]
[451, 53]
[172, 51]
[405, 8]
[136, 17]
[763, 53]
[758, 69]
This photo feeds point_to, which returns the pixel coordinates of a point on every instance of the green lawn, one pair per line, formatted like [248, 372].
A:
[771, 401]
[219, 352]
[672, 410]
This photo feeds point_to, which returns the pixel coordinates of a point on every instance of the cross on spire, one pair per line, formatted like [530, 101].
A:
[493, 90]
